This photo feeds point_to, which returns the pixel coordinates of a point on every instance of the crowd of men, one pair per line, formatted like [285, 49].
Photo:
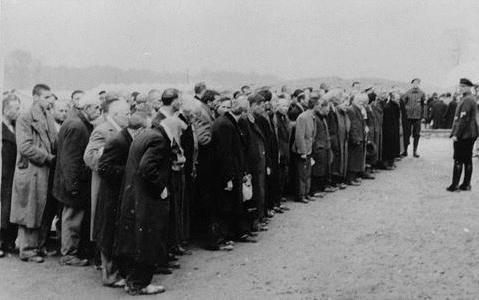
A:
[131, 180]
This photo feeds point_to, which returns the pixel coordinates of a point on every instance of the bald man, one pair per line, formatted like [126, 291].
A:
[116, 120]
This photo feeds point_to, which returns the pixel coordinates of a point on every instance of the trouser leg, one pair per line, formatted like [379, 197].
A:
[71, 229]
[28, 241]
[456, 174]
[138, 276]
[110, 270]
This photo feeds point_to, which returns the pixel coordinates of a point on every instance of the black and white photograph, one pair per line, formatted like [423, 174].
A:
[239, 149]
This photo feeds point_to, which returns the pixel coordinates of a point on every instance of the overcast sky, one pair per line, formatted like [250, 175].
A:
[395, 39]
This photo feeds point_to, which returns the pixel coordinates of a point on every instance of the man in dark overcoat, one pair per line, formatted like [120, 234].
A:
[8, 231]
[142, 240]
[228, 171]
[413, 106]
[255, 142]
[357, 139]
[464, 133]
[111, 168]
[72, 182]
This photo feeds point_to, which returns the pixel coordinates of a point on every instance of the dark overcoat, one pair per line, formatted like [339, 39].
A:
[391, 130]
[378, 131]
[36, 144]
[449, 114]
[255, 160]
[9, 155]
[72, 181]
[340, 166]
[111, 168]
[333, 128]
[145, 204]
[438, 112]
[321, 148]
[228, 153]
[356, 155]
[283, 127]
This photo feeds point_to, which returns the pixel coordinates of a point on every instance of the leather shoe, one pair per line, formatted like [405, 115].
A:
[2, 253]
[452, 188]
[74, 261]
[302, 200]
[368, 176]
[465, 187]
[247, 239]
[36, 258]
[174, 265]
[148, 290]
[416, 155]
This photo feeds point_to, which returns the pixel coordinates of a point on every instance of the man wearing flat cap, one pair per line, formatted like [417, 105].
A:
[464, 133]
[412, 106]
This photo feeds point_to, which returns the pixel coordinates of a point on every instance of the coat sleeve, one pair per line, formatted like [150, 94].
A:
[25, 144]
[71, 160]
[108, 164]
[203, 127]
[94, 149]
[154, 165]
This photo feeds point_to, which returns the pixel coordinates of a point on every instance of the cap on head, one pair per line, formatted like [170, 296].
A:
[466, 82]
[416, 79]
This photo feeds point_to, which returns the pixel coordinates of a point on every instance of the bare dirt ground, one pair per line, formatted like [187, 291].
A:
[401, 236]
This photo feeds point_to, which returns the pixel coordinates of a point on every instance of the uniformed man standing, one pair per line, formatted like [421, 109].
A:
[412, 105]
[464, 133]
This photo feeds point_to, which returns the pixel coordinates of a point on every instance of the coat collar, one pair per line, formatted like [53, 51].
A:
[43, 124]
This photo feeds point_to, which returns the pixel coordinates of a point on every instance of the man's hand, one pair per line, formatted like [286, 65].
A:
[268, 171]
[304, 156]
[229, 186]
[454, 138]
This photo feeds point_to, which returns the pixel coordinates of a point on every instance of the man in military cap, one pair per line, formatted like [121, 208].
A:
[464, 133]
[412, 105]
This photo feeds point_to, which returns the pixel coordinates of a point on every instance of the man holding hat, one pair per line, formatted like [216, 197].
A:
[412, 105]
[464, 133]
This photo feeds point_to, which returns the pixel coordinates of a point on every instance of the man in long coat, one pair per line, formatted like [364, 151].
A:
[72, 182]
[228, 149]
[302, 149]
[36, 144]
[116, 120]
[111, 168]
[357, 139]
[142, 240]
[391, 128]
[8, 231]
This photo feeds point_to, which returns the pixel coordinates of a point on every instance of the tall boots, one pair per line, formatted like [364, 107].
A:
[466, 184]
[416, 143]
[456, 176]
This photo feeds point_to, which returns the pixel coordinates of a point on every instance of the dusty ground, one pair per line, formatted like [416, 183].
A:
[401, 236]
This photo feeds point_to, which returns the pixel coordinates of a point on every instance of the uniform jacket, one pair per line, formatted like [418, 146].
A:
[414, 101]
[72, 182]
[36, 144]
[465, 124]
[304, 134]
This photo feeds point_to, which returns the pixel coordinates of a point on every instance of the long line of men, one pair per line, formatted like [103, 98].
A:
[133, 179]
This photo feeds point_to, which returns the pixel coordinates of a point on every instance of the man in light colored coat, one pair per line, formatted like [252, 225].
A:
[116, 119]
[302, 149]
[36, 143]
